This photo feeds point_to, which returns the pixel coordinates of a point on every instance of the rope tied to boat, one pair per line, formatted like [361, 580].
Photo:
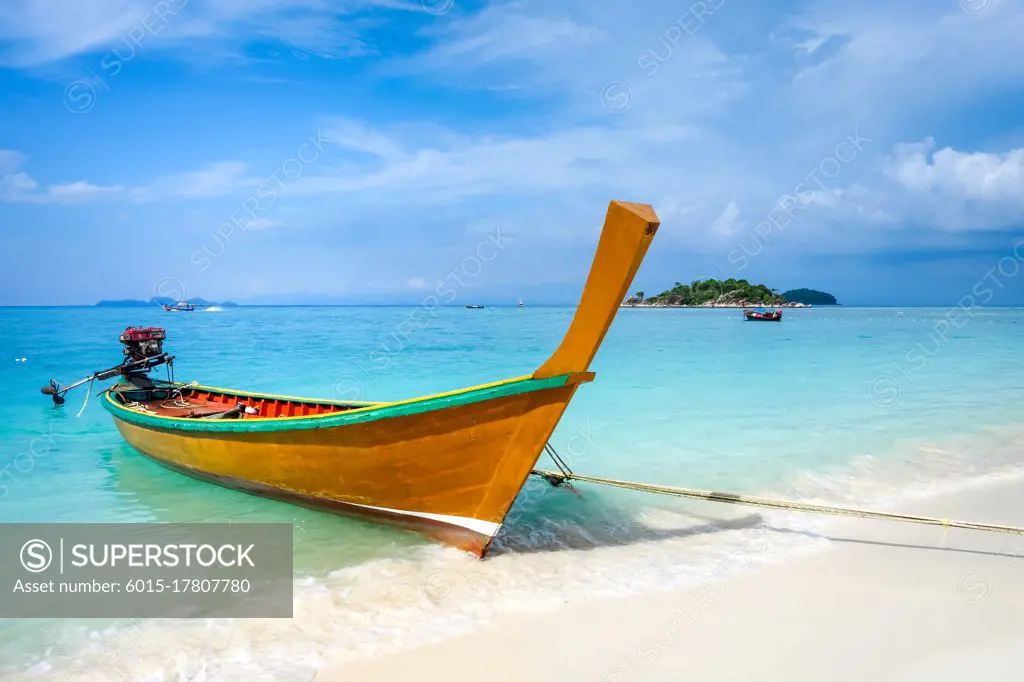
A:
[88, 392]
[770, 503]
[138, 407]
[565, 476]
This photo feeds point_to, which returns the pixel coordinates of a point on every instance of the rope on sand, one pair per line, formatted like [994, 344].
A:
[558, 478]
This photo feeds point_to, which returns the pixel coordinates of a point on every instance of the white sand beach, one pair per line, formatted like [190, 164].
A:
[882, 601]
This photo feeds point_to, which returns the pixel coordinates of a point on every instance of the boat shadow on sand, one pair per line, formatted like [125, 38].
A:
[549, 520]
[1010, 557]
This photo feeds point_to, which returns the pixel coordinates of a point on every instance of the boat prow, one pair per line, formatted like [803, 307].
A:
[450, 464]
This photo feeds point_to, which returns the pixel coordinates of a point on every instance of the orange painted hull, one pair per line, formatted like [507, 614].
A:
[452, 473]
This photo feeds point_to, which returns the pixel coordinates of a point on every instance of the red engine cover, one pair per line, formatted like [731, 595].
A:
[144, 334]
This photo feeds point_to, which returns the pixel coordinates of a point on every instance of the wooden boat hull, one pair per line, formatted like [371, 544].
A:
[450, 464]
[452, 471]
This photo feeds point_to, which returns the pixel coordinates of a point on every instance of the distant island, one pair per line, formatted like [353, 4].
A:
[161, 300]
[730, 293]
[809, 297]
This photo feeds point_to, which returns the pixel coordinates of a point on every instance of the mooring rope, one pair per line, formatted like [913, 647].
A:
[88, 392]
[556, 478]
[559, 462]
[138, 407]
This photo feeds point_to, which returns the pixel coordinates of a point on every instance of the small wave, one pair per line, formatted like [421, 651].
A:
[213, 309]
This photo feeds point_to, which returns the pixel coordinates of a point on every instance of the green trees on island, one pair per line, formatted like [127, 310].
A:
[730, 292]
[701, 291]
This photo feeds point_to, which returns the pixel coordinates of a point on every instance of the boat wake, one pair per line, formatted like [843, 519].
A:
[213, 309]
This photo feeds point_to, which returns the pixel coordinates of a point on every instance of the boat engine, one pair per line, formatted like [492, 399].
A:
[141, 343]
[143, 350]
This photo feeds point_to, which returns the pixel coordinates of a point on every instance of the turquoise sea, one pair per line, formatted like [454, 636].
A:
[865, 405]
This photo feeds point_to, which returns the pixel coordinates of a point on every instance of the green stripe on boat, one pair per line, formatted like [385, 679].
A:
[355, 416]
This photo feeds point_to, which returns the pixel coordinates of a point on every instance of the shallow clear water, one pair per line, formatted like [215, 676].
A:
[836, 404]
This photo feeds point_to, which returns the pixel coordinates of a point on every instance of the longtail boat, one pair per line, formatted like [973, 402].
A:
[450, 465]
[763, 315]
[181, 307]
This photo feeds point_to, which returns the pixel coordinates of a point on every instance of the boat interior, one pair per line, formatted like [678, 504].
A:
[198, 402]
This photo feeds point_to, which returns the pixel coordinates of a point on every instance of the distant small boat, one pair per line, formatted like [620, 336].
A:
[763, 315]
[474, 307]
[520, 304]
[181, 307]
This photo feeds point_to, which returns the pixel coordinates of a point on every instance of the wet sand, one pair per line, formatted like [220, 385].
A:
[881, 601]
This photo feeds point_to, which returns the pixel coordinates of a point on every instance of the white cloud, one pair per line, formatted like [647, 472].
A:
[994, 177]
[78, 190]
[217, 179]
[718, 119]
[10, 161]
[263, 224]
[726, 223]
[956, 190]
[214, 179]
[45, 31]
[48, 30]
[357, 137]
[572, 49]
[17, 186]
[451, 166]
[922, 52]
[505, 32]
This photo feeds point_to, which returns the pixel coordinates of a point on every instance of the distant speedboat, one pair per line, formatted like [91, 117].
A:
[474, 307]
[763, 315]
[181, 307]
[520, 304]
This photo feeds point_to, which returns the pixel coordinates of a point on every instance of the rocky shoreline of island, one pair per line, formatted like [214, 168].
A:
[730, 293]
[739, 305]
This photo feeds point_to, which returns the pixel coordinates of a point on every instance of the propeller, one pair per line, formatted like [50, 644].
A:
[54, 390]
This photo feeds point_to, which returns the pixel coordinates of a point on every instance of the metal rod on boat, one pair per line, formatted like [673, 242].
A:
[57, 391]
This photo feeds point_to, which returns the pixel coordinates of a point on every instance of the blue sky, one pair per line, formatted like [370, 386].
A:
[372, 150]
